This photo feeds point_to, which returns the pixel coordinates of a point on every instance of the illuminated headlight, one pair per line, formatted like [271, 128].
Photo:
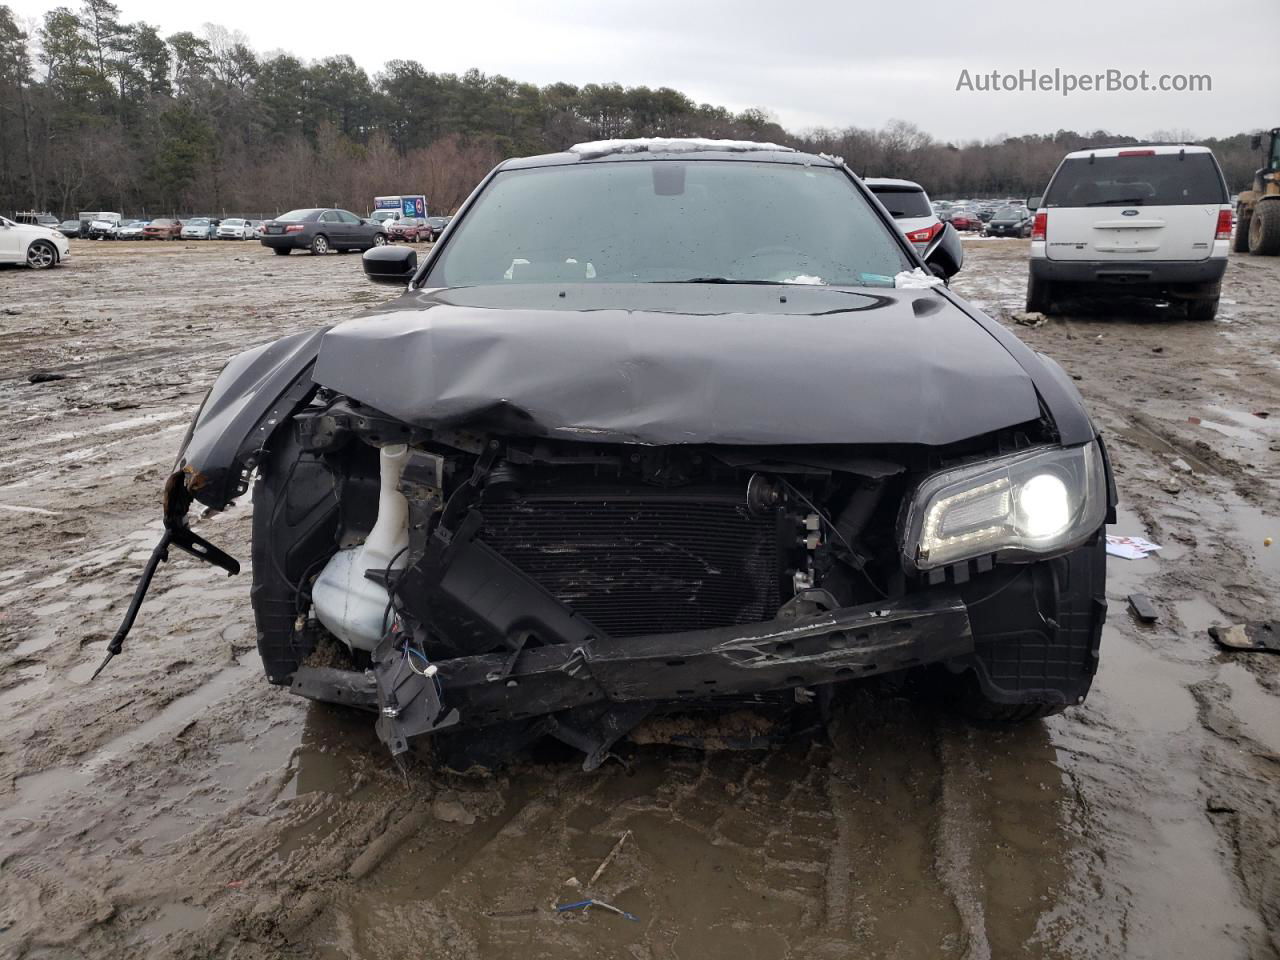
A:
[1022, 507]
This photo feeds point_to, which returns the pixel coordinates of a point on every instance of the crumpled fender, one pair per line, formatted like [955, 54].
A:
[256, 392]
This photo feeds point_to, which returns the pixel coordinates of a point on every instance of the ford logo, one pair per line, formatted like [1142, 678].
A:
[1128, 213]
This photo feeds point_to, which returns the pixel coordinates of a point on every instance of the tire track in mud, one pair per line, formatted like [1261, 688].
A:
[958, 826]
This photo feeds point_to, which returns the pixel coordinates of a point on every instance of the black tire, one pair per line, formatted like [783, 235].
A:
[972, 705]
[282, 251]
[295, 521]
[1264, 228]
[41, 255]
[319, 245]
[1202, 310]
[379, 239]
[1240, 239]
[1039, 296]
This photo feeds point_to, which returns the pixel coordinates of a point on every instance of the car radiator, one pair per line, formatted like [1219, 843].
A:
[641, 565]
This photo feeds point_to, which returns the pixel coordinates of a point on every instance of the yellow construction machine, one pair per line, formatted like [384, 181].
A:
[1258, 210]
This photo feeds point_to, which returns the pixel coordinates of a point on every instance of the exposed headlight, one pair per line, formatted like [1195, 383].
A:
[1022, 507]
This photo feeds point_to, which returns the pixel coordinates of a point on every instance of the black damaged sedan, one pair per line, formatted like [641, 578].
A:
[614, 452]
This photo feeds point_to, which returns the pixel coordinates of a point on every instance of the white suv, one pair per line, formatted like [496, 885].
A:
[909, 206]
[1152, 221]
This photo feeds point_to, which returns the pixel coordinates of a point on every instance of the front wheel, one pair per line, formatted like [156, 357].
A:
[41, 255]
[320, 245]
[1264, 228]
[379, 239]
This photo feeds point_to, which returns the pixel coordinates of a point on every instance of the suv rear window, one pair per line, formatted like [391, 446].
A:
[902, 204]
[1161, 180]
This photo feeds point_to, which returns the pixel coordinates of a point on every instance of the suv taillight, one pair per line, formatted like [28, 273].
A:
[1224, 225]
[925, 234]
[1039, 226]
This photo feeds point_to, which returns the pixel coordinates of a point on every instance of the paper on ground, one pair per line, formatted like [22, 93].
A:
[1130, 548]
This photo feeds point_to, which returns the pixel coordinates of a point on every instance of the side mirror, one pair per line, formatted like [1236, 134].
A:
[1255, 142]
[1033, 203]
[945, 254]
[390, 264]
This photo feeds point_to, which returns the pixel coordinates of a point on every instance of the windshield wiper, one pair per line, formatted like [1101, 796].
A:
[766, 283]
[1136, 201]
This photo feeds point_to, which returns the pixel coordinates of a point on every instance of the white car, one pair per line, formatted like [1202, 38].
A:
[197, 228]
[235, 229]
[104, 229]
[1135, 221]
[910, 208]
[130, 230]
[38, 247]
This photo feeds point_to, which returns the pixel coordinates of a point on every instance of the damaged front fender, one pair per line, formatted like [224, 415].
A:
[255, 393]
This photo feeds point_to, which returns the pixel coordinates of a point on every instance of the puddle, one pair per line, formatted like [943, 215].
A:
[34, 790]
[1197, 614]
[1254, 708]
[173, 918]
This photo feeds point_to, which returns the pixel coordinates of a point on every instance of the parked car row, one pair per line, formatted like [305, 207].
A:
[317, 229]
[110, 227]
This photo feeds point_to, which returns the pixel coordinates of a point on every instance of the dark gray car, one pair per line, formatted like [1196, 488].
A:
[321, 229]
[615, 453]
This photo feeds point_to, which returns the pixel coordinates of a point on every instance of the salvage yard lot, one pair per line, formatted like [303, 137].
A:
[182, 803]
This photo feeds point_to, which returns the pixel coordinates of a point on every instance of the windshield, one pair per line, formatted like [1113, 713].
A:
[1167, 179]
[232, 223]
[903, 204]
[299, 214]
[1010, 213]
[671, 221]
[197, 222]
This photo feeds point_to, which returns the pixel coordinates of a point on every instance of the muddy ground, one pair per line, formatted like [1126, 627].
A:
[180, 807]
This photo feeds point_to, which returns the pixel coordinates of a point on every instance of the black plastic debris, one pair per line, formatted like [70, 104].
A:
[1143, 608]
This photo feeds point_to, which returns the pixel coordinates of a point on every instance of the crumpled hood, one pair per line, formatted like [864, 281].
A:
[689, 363]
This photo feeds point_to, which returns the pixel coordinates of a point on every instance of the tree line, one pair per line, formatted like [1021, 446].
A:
[100, 113]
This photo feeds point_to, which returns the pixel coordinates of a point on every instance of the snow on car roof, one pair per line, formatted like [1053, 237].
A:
[1156, 148]
[602, 148]
[874, 182]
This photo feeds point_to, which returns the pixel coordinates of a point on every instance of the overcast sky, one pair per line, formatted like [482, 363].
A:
[828, 63]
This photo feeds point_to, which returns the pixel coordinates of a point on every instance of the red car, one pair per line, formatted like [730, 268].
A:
[966, 221]
[162, 228]
[409, 229]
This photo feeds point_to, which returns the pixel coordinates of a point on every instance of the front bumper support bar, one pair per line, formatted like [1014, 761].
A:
[752, 658]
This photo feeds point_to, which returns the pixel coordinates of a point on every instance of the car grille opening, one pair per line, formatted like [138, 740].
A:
[647, 565]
